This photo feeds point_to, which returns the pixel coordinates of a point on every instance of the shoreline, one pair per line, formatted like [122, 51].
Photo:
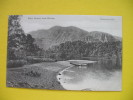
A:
[21, 78]
[72, 64]
[38, 76]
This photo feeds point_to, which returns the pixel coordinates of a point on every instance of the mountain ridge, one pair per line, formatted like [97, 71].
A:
[58, 34]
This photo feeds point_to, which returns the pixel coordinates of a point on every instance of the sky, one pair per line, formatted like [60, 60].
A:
[109, 24]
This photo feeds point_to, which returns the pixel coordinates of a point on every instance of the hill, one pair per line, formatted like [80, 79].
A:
[57, 35]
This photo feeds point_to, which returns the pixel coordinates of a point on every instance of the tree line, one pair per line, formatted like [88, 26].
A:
[80, 49]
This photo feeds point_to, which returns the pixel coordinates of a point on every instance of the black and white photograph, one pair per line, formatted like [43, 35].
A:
[65, 52]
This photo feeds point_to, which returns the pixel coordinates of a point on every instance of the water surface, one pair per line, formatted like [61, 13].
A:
[96, 76]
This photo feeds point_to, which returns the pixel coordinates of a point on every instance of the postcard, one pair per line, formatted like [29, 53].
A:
[65, 52]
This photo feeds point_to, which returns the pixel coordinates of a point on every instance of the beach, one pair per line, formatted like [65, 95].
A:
[40, 76]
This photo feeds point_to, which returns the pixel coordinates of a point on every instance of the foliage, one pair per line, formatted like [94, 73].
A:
[31, 47]
[16, 38]
[33, 74]
[16, 63]
[20, 45]
[80, 49]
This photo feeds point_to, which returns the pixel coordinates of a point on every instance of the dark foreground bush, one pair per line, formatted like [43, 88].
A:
[33, 60]
[16, 63]
[33, 74]
[27, 60]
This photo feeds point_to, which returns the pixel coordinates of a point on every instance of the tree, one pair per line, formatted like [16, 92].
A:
[20, 45]
[16, 38]
[30, 44]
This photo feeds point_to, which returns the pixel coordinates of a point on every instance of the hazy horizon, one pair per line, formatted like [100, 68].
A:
[107, 24]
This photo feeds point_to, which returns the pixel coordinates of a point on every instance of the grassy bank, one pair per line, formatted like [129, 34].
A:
[40, 76]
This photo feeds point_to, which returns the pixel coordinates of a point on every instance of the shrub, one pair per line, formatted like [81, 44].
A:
[33, 74]
[33, 60]
[16, 63]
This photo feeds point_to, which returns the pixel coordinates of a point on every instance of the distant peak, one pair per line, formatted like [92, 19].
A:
[56, 27]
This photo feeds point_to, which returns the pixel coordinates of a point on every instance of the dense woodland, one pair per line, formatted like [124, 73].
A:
[80, 50]
[22, 48]
[20, 45]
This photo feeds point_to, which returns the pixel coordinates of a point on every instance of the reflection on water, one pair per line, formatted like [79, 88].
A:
[99, 76]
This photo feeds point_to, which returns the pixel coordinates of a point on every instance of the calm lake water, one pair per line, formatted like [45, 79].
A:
[96, 76]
